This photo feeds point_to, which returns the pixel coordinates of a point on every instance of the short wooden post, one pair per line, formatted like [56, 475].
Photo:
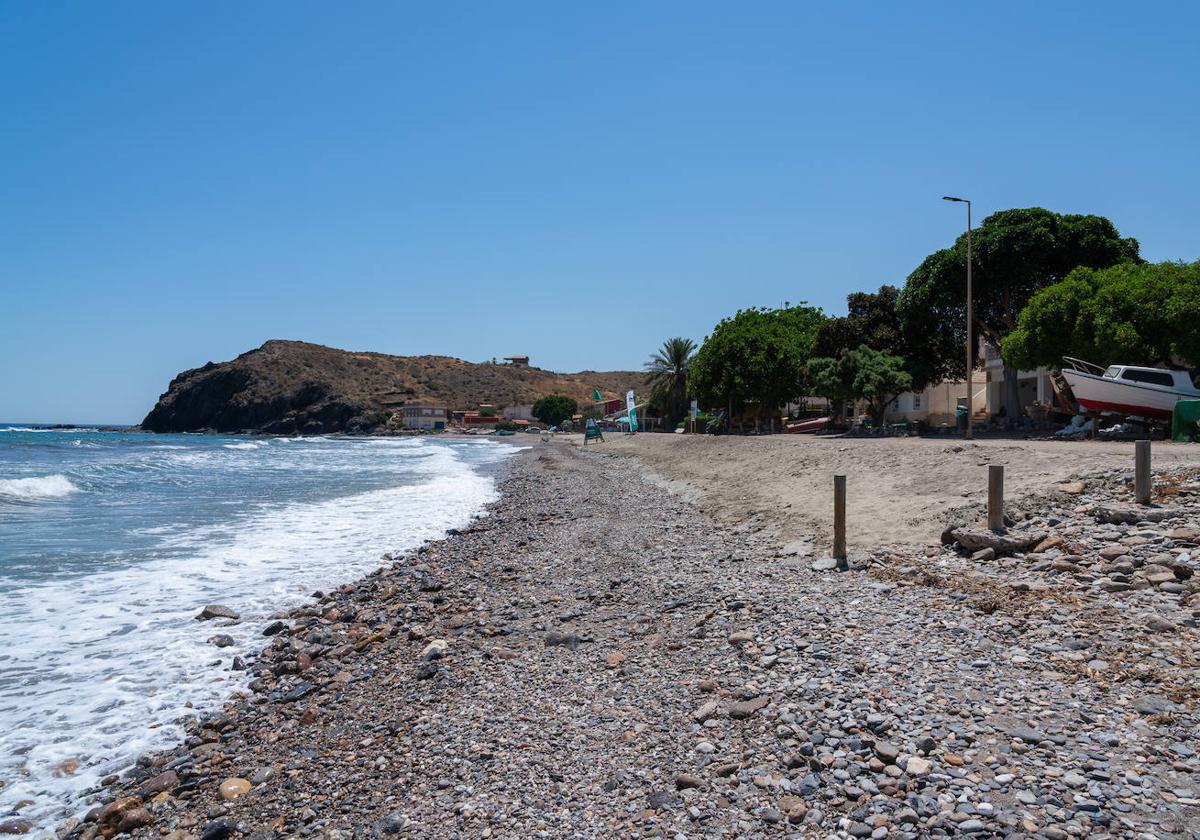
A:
[839, 522]
[995, 510]
[1142, 481]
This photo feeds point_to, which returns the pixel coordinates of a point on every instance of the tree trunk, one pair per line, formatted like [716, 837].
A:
[1012, 398]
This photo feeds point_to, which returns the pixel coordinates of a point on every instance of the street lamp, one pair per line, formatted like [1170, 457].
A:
[970, 349]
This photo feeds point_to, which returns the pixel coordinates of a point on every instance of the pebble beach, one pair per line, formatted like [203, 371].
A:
[600, 657]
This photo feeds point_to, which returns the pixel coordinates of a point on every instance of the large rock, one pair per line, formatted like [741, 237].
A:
[217, 611]
[1002, 542]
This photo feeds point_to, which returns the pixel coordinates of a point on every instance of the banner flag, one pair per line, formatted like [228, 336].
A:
[629, 404]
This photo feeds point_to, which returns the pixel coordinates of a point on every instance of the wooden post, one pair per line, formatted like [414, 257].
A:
[839, 522]
[1142, 480]
[995, 507]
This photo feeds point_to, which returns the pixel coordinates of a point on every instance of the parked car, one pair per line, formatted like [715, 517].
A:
[533, 430]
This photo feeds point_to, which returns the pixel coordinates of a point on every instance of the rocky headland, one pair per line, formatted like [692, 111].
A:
[599, 658]
[293, 387]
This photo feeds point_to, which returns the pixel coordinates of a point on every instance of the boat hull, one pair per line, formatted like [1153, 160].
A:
[806, 427]
[1112, 396]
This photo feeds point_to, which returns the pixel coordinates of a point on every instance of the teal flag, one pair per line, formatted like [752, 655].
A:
[596, 395]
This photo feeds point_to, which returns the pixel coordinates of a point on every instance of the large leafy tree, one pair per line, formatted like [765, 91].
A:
[1146, 314]
[863, 373]
[757, 356]
[873, 319]
[554, 409]
[1015, 254]
[667, 373]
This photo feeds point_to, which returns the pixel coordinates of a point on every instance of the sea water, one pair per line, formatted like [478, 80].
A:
[111, 543]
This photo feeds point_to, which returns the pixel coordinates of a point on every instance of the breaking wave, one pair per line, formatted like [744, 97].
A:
[37, 487]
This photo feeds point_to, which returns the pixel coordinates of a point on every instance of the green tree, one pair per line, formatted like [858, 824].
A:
[832, 378]
[666, 376]
[1141, 314]
[554, 409]
[1015, 254]
[873, 319]
[759, 355]
[862, 374]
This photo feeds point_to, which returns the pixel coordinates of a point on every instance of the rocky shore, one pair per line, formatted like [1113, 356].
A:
[599, 658]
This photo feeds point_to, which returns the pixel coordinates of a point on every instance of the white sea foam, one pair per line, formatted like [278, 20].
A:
[249, 444]
[37, 487]
[99, 668]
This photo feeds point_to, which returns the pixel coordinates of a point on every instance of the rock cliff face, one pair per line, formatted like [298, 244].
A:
[291, 387]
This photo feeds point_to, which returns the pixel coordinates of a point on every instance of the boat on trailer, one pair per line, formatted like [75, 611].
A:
[1128, 390]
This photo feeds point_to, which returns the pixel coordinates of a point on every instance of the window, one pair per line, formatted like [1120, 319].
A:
[916, 402]
[1152, 377]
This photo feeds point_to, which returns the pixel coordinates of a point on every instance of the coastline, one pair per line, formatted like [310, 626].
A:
[598, 657]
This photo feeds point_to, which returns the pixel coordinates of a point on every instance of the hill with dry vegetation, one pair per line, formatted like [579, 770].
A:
[292, 387]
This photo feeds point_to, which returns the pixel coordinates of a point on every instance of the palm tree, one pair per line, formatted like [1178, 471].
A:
[667, 373]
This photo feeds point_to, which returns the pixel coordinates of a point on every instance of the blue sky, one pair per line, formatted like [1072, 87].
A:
[578, 182]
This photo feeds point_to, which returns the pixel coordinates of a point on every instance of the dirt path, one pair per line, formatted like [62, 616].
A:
[898, 489]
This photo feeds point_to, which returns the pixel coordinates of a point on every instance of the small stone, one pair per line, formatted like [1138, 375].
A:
[614, 659]
[744, 709]
[568, 640]
[1029, 736]
[160, 783]
[233, 788]
[16, 826]
[917, 766]
[221, 640]
[1154, 704]
[684, 781]
[984, 555]
[274, 628]
[1158, 624]
[218, 830]
[888, 753]
[134, 818]
[434, 650]
[1074, 779]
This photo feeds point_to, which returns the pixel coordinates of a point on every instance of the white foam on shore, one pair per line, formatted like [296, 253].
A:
[99, 668]
[250, 444]
[37, 487]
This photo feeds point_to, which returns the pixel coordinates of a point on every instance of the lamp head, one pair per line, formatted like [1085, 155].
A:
[952, 198]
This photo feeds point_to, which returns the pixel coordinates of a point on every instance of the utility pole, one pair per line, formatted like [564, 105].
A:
[970, 318]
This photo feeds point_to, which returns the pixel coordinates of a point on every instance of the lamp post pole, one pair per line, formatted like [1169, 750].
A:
[970, 313]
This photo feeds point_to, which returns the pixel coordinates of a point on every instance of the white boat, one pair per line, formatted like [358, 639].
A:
[1128, 390]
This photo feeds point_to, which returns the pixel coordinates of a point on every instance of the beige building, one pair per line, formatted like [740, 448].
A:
[429, 417]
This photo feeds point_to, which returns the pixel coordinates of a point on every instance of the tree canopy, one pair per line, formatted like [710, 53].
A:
[1015, 253]
[1147, 314]
[667, 373]
[554, 409]
[863, 373]
[873, 319]
[759, 355]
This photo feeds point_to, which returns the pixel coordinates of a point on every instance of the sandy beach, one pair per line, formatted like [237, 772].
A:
[899, 490]
[600, 657]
